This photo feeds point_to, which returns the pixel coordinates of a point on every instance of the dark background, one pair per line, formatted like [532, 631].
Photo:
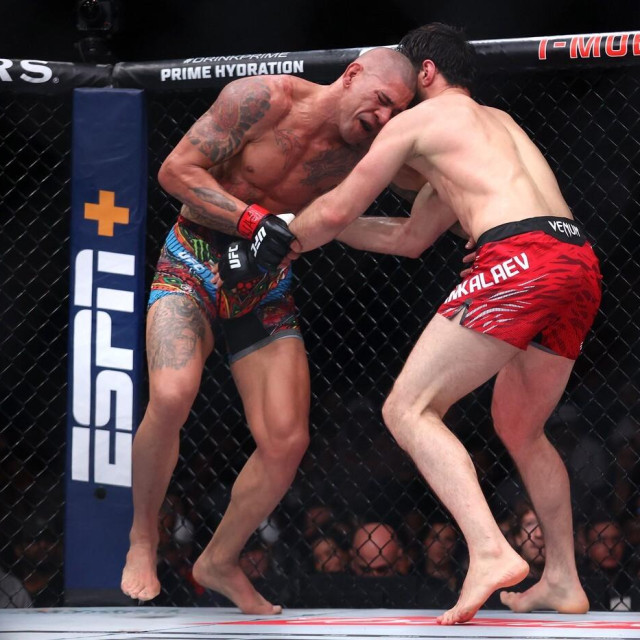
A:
[171, 29]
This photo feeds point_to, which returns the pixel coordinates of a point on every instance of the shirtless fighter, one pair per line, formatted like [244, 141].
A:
[267, 144]
[521, 313]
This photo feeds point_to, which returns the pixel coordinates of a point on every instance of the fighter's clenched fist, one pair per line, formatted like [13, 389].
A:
[270, 236]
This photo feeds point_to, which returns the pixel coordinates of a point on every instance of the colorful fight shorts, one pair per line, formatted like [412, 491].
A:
[536, 281]
[185, 267]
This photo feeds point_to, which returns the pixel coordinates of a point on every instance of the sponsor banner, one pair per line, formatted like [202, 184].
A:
[560, 52]
[107, 306]
[213, 72]
[544, 53]
[44, 77]
[217, 71]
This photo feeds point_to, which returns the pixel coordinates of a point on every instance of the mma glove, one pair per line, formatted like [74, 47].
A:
[269, 235]
[244, 282]
[237, 264]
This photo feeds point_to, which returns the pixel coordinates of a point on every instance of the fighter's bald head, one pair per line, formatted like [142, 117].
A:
[385, 62]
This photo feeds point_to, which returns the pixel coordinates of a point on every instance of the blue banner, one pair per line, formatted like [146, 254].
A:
[107, 308]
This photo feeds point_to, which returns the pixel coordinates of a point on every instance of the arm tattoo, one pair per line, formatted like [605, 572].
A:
[201, 216]
[215, 197]
[198, 214]
[333, 163]
[177, 330]
[220, 133]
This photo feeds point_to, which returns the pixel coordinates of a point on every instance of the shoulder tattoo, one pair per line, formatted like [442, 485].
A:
[220, 132]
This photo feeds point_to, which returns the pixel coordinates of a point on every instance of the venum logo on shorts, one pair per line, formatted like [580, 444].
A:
[34, 71]
[567, 228]
[502, 271]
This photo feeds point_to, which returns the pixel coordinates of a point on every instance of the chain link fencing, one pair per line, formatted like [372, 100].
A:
[361, 315]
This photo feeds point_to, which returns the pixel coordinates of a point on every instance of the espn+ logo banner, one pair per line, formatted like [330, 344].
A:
[107, 308]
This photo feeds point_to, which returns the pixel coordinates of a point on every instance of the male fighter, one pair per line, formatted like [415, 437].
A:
[267, 144]
[522, 313]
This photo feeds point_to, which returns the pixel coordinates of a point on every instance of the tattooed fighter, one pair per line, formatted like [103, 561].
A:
[267, 145]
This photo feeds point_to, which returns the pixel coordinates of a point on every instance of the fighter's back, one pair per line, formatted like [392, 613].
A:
[482, 163]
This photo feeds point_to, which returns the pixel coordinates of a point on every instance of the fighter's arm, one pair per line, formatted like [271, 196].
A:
[384, 234]
[244, 110]
[409, 237]
[327, 216]
[407, 183]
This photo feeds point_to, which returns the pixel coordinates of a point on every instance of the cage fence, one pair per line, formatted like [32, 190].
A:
[361, 314]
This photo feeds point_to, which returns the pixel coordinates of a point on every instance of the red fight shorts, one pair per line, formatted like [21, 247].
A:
[536, 281]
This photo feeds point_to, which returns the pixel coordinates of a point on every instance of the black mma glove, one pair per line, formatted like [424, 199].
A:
[237, 264]
[244, 283]
[270, 236]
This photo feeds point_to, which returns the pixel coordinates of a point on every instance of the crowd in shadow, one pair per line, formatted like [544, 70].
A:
[352, 562]
[358, 529]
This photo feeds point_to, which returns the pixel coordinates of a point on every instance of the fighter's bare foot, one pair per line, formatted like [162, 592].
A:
[140, 576]
[486, 575]
[568, 597]
[231, 582]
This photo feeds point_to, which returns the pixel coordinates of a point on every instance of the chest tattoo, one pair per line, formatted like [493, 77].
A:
[330, 164]
[290, 144]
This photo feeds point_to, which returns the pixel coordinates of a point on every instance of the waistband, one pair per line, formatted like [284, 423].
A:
[562, 229]
[219, 241]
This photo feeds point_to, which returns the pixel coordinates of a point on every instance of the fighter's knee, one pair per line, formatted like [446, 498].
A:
[390, 411]
[283, 440]
[401, 415]
[507, 439]
[514, 434]
[398, 416]
[501, 429]
[172, 402]
[299, 444]
[284, 453]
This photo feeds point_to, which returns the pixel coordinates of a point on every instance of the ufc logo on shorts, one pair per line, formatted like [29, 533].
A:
[234, 260]
[257, 241]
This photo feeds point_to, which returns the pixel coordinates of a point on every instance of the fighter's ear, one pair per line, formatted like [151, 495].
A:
[427, 73]
[351, 72]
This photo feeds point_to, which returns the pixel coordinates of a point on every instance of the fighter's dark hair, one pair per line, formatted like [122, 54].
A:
[447, 47]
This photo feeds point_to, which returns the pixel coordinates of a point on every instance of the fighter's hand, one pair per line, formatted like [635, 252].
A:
[237, 277]
[468, 259]
[237, 264]
[269, 234]
[296, 248]
[242, 283]
[216, 279]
